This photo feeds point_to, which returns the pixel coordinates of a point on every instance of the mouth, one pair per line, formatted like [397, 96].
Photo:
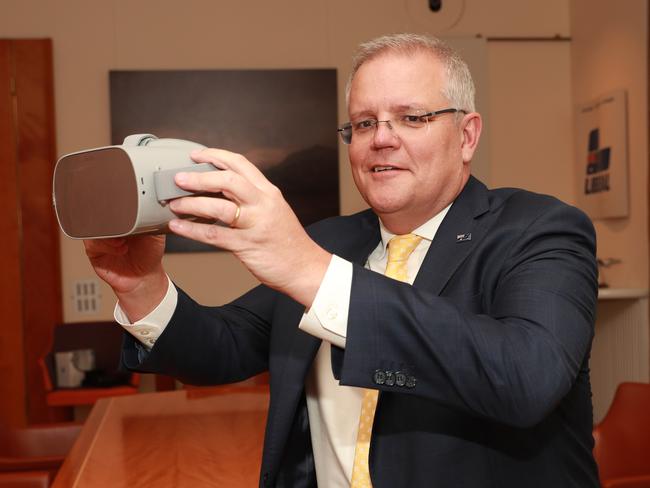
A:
[383, 168]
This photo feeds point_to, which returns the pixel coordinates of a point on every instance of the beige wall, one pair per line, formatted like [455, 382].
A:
[530, 142]
[528, 85]
[609, 52]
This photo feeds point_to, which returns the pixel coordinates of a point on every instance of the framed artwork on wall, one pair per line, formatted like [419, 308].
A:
[284, 121]
[601, 156]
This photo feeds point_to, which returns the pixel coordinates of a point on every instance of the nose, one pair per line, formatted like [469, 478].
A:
[384, 136]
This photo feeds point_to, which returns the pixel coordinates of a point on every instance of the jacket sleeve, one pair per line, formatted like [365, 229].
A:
[209, 345]
[511, 351]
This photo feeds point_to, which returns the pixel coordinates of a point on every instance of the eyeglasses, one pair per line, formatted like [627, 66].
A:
[402, 123]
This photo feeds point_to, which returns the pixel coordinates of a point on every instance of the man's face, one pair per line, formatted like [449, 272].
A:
[429, 166]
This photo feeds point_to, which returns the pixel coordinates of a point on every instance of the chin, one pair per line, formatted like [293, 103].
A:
[386, 205]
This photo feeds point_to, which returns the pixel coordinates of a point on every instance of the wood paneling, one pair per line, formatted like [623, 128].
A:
[12, 386]
[30, 284]
[40, 245]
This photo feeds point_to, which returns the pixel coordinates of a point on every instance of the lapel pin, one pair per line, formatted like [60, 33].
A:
[464, 237]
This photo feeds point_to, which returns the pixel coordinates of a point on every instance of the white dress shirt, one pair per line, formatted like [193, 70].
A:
[333, 409]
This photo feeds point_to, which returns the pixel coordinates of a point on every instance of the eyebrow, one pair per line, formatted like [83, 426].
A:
[393, 109]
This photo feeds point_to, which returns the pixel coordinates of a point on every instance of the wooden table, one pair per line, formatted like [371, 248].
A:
[186, 438]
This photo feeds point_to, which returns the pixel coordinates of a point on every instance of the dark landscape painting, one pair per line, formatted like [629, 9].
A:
[284, 121]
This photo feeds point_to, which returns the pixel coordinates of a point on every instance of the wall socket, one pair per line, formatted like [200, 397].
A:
[86, 296]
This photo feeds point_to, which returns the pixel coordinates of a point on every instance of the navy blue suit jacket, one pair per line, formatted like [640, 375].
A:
[482, 364]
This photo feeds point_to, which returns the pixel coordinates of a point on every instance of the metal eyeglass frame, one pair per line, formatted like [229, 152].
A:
[345, 131]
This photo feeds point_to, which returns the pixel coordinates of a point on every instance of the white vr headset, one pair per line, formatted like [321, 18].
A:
[117, 191]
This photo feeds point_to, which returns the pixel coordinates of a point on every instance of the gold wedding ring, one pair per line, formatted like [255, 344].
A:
[237, 214]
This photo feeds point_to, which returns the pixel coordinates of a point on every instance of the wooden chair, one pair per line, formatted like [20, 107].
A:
[622, 439]
[25, 479]
[105, 339]
[36, 448]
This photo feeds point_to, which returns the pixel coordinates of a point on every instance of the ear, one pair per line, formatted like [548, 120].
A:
[471, 126]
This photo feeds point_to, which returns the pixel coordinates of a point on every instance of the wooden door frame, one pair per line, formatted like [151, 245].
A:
[32, 290]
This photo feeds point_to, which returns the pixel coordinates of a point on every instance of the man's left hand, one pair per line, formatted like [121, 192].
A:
[260, 229]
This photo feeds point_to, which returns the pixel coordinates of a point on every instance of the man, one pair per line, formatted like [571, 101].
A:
[477, 338]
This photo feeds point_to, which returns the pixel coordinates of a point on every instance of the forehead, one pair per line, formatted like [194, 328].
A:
[396, 79]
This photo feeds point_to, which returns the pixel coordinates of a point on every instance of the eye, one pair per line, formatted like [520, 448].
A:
[364, 124]
[413, 120]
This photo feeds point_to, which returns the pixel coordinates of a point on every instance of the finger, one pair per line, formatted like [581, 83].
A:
[214, 235]
[236, 162]
[231, 184]
[98, 247]
[111, 242]
[207, 207]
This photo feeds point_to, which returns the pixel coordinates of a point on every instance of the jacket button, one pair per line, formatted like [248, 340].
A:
[410, 382]
[390, 378]
[400, 378]
[379, 377]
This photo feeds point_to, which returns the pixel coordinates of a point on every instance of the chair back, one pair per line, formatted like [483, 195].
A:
[25, 479]
[29, 452]
[622, 439]
[38, 441]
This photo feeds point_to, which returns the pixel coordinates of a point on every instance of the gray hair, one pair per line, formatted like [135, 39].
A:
[459, 89]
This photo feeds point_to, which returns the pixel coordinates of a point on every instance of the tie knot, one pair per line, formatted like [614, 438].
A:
[399, 250]
[401, 247]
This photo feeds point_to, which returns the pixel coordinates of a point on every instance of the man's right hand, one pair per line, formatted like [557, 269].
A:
[133, 268]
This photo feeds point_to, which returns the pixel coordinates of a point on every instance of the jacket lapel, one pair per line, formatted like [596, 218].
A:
[461, 229]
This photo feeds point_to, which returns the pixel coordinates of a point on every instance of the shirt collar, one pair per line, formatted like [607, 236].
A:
[426, 231]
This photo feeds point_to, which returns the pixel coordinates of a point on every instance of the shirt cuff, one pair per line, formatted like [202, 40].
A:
[150, 327]
[327, 318]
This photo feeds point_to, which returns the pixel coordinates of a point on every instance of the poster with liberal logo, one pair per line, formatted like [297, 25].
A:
[601, 156]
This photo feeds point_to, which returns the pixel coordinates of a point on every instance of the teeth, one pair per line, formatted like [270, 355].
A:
[382, 168]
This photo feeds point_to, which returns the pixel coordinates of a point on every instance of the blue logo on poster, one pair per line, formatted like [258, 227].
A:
[597, 179]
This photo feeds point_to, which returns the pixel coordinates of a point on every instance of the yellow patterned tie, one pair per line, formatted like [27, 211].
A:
[399, 250]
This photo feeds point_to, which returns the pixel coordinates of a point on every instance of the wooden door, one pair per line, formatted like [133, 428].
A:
[30, 283]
